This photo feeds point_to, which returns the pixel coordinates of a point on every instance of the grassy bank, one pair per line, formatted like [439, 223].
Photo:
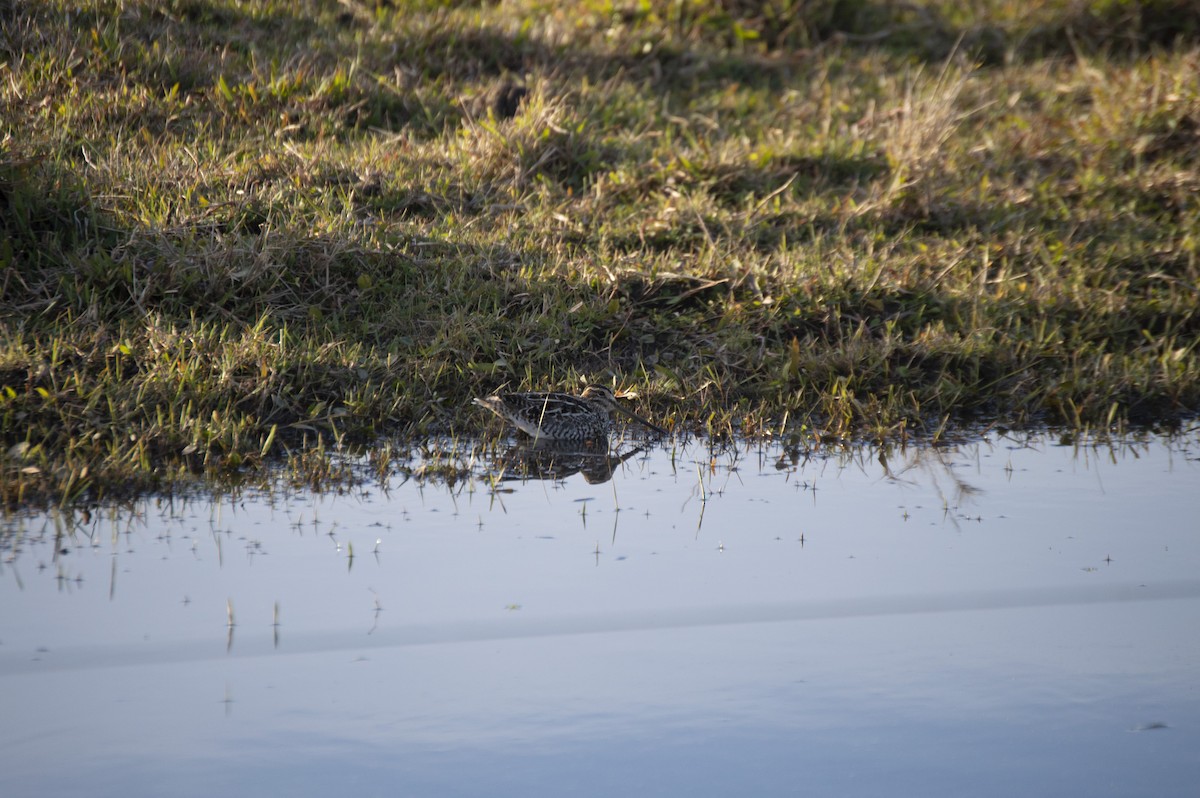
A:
[234, 230]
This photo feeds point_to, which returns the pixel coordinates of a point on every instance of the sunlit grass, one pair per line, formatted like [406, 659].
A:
[239, 231]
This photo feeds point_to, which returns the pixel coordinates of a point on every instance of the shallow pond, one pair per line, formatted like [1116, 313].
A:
[1006, 616]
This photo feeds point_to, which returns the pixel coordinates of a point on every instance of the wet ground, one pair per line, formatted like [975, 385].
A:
[1006, 616]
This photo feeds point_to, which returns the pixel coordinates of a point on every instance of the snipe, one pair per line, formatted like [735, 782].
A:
[562, 416]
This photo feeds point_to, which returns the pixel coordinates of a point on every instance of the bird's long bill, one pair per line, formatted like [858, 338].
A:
[641, 420]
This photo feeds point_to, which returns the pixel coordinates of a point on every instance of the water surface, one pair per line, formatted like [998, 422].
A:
[1003, 616]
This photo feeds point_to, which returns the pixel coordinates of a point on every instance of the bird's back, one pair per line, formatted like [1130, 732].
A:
[553, 416]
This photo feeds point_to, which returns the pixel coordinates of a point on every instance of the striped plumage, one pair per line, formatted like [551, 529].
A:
[562, 416]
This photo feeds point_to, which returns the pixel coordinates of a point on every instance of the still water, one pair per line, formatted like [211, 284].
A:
[1004, 616]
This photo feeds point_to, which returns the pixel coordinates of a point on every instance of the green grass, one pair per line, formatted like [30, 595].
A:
[234, 231]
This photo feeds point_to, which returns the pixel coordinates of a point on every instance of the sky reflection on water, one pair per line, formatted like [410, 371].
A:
[994, 618]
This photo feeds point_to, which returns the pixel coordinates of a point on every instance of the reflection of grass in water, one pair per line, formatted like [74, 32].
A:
[461, 467]
[218, 252]
[706, 473]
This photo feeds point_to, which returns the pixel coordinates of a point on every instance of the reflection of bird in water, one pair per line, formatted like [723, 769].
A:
[552, 460]
[562, 416]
